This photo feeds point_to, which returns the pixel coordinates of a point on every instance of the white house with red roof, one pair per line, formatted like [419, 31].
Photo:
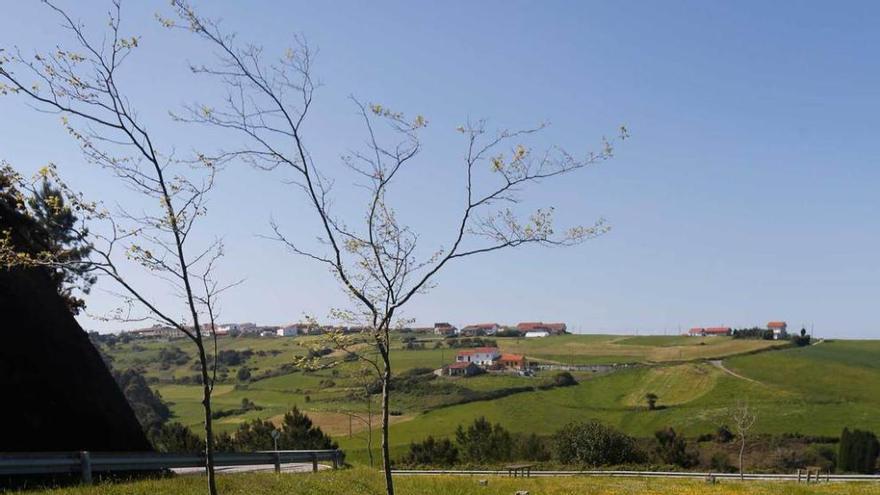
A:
[483, 356]
[537, 328]
[779, 329]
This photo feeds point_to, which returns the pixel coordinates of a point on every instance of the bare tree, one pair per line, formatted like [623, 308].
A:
[81, 85]
[379, 265]
[743, 417]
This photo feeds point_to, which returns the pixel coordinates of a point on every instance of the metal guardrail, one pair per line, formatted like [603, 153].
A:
[86, 463]
[646, 474]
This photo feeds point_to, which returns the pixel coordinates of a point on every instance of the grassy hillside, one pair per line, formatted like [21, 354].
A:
[816, 390]
[364, 482]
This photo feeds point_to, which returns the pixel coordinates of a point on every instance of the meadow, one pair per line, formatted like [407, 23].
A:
[816, 390]
[368, 482]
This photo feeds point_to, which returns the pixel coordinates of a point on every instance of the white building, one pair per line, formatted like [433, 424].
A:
[288, 331]
[483, 356]
[537, 333]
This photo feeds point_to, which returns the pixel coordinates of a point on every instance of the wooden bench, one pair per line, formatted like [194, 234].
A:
[521, 470]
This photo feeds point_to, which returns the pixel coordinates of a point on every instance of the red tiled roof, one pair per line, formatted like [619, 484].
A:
[540, 325]
[512, 357]
[478, 350]
[776, 324]
[696, 330]
[529, 325]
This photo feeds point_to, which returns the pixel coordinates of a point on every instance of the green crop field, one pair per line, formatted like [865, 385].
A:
[367, 482]
[816, 390]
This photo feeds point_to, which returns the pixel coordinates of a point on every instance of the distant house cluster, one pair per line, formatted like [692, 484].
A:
[474, 361]
[525, 329]
[531, 329]
[710, 331]
[779, 329]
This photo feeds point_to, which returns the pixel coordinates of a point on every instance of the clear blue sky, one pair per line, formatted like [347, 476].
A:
[748, 192]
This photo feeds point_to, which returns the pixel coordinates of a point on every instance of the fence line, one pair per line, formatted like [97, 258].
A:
[86, 463]
[646, 474]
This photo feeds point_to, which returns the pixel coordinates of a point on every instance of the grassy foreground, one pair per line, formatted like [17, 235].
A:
[362, 481]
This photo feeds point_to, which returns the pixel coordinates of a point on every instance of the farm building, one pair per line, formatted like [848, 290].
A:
[444, 329]
[289, 331]
[480, 329]
[709, 332]
[537, 333]
[483, 356]
[537, 326]
[459, 369]
[779, 328]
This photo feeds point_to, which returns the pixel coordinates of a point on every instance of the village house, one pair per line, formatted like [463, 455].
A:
[480, 329]
[539, 328]
[483, 356]
[511, 361]
[709, 332]
[779, 329]
[444, 329]
[459, 369]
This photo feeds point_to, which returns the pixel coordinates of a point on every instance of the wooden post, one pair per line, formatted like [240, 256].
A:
[799, 475]
[314, 463]
[85, 462]
[277, 462]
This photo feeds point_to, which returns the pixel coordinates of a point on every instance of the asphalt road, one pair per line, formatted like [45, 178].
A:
[299, 467]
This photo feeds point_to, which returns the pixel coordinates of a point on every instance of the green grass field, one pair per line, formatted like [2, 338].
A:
[367, 482]
[816, 390]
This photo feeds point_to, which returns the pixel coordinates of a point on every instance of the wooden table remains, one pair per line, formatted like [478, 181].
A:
[519, 470]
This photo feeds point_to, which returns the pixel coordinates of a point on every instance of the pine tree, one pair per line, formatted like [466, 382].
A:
[299, 433]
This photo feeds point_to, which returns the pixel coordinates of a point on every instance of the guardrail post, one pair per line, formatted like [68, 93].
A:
[277, 462]
[314, 462]
[85, 463]
[335, 459]
[799, 475]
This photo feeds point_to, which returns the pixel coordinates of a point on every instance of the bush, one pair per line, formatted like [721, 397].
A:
[858, 451]
[172, 356]
[431, 452]
[243, 374]
[509, 332]
[591, 443]
[672, 448]
[723, 435]
[175, 438]
[720, 463]
[564, 379]
[232, 357]
[531, 448]
[483, 442]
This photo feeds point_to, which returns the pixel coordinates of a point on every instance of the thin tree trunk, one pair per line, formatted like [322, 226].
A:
[209, 433]
[386, 456]
[742, 449]
[370, 427]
